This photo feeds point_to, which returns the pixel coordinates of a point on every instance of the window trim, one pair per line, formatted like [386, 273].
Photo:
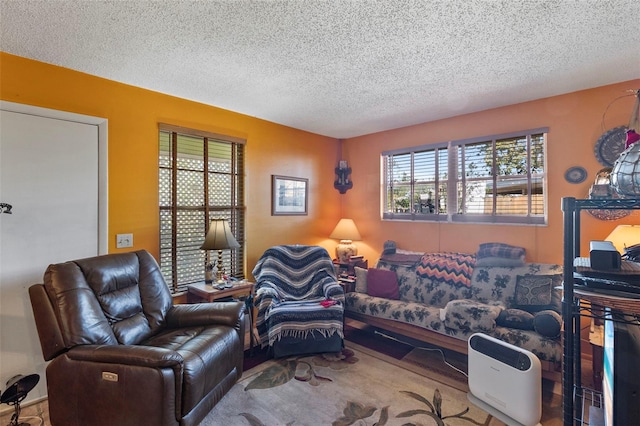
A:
[452, 197]
[237, 203]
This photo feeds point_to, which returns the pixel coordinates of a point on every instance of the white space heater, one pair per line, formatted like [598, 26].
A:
[505, 380]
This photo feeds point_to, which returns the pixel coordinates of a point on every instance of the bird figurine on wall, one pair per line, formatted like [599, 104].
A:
[632, 137]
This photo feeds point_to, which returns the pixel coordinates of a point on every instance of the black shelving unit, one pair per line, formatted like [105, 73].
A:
[571, 310]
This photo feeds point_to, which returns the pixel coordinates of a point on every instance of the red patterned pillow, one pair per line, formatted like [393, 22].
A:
[452, 268]
[382, 283]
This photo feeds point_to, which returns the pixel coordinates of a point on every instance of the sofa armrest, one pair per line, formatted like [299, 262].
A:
[221, 313]
[144, 356]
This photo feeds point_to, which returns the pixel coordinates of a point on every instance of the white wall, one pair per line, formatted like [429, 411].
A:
[53, 171]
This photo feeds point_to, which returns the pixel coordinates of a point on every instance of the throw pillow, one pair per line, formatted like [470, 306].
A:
[500, 250]
[470, 315]
[361, 279]
[533, 292]
[515, 318]
[548, 323]
[382, 283]
[454, 269]
[389, 247]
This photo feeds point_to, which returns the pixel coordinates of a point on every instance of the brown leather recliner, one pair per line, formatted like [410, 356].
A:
[122, 354]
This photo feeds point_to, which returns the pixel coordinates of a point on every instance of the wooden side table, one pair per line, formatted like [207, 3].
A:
[348, 284]
[349, 267]
[201, 292]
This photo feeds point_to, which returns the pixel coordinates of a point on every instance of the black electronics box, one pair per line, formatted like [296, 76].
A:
[604, 256]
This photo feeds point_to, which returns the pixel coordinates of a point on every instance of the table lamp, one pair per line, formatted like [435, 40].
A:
[346, 232]
[17, 389]
[219, 237]
[624, 236]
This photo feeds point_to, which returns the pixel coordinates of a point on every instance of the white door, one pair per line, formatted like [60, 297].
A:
[49, 174]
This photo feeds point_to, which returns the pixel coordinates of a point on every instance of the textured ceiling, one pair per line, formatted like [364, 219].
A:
[342, 68]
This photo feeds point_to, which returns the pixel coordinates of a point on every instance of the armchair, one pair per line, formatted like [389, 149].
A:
[122, 354]
[300, 302]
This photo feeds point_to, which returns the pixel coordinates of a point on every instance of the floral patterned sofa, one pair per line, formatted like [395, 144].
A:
[519, 304]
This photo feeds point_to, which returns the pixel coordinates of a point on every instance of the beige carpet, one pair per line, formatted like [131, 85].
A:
[431, 364]
[360, 387]
[425, 371]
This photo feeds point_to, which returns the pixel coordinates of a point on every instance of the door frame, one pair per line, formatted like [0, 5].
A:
[103, 182]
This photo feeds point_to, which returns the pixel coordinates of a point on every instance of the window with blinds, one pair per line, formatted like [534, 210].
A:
[495, 179]
[201, 177]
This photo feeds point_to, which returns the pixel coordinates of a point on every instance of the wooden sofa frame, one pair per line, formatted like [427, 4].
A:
[550, 370]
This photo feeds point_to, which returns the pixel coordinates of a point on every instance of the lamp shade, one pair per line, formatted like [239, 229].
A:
[219, 236]
[624, 236]
[345, 230]
[18, 387]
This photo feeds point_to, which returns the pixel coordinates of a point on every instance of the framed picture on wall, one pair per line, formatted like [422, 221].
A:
[289, 195]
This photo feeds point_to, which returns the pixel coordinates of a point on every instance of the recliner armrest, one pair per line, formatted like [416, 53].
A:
[222, 313]
[144, 356]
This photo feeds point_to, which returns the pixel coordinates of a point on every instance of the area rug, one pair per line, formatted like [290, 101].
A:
[443, 366]
[354, 387]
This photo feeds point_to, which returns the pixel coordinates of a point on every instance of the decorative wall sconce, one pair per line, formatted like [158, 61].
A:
[343, 182]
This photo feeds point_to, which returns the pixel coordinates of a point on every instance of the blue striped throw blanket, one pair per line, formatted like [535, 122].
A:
[291, 283]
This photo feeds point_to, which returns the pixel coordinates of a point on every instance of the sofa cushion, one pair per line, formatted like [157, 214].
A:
[428, 317]
[382, 283]
[515, 318]
[361, 279]
[533, 292]
[471, 315]
[499, 261]
[499, 283]
[548, 323]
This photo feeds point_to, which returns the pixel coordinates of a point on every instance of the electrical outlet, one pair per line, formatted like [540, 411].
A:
[124, 240]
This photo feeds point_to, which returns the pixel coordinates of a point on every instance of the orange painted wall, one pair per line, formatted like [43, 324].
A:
[134, 114]
[575, 122]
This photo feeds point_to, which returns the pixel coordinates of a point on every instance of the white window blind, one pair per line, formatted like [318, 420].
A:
[201, 177]
[496, 179]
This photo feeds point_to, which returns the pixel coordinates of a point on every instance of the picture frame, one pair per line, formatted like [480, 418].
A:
[289, 195]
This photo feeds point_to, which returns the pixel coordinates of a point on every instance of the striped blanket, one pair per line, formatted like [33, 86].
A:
[291, 283]
[454, 269]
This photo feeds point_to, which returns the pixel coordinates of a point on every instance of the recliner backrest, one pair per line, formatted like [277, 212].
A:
[113, 299]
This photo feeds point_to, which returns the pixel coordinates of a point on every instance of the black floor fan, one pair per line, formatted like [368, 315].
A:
[17, 389]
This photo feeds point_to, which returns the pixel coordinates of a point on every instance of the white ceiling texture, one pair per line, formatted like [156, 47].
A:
[337, 68]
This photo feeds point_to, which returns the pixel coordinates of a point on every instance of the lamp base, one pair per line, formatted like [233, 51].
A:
[344, 250]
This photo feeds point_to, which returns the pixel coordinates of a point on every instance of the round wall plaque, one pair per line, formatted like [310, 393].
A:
[575, 174]
[610, 145]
